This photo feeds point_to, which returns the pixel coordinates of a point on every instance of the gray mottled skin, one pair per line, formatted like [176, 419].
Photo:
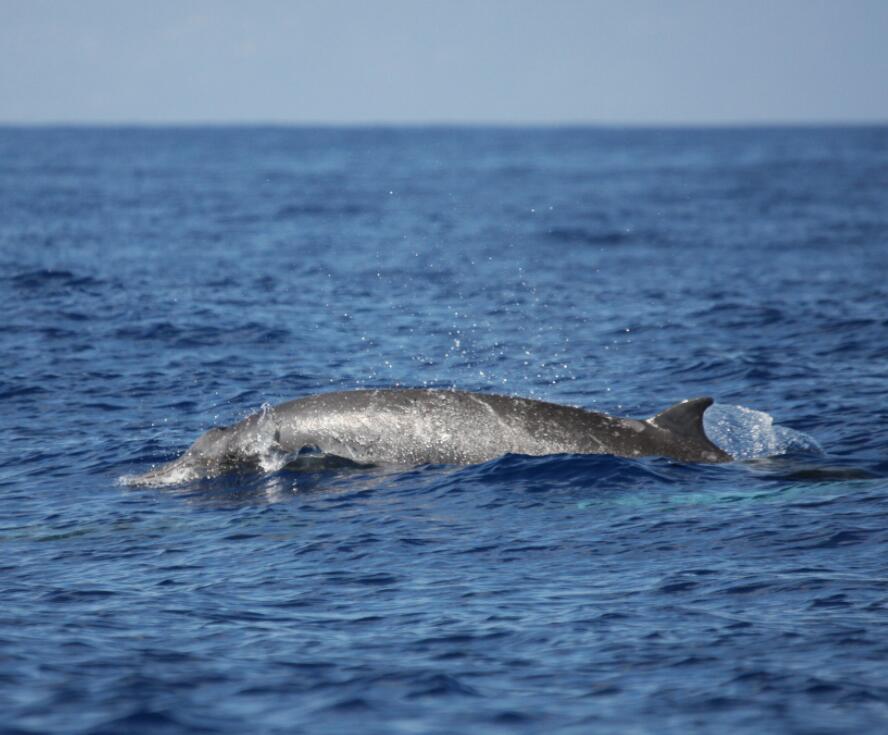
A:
[411, 427]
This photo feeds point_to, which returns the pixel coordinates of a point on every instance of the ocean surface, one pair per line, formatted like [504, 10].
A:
[155, 282]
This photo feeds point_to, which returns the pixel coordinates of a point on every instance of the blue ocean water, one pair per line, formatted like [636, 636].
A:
[154, 282]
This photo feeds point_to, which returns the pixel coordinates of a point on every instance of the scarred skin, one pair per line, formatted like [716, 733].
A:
[417, 426]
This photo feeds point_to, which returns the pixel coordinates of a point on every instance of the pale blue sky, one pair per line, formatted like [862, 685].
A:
[449, 61]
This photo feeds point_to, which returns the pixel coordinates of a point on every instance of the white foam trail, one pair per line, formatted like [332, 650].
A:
[746, 433]
[174, 476]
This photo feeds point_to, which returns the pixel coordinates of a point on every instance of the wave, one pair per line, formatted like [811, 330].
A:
[49, 279]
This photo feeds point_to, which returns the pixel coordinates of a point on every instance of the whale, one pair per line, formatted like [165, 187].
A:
[410, 427]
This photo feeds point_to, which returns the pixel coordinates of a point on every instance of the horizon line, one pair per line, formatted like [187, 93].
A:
[442, 124]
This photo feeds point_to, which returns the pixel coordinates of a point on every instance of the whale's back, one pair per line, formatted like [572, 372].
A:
[414, 426]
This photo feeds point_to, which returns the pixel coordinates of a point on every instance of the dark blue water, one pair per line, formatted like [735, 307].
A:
[155, 282]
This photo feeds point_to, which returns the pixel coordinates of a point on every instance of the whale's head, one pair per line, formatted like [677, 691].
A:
[212, 454]
[211, 446]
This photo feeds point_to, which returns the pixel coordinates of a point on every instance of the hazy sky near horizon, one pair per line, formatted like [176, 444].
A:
[449, 61]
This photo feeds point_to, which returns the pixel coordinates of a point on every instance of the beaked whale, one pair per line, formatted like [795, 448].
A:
[410, 427]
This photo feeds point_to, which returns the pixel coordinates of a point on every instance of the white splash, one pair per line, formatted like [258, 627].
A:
[746, 433]
[262, 444]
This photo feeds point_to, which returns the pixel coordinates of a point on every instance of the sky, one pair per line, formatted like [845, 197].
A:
[643, 62]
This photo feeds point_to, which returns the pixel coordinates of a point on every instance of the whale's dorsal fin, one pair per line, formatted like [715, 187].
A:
[684, 418]
[685, 421]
